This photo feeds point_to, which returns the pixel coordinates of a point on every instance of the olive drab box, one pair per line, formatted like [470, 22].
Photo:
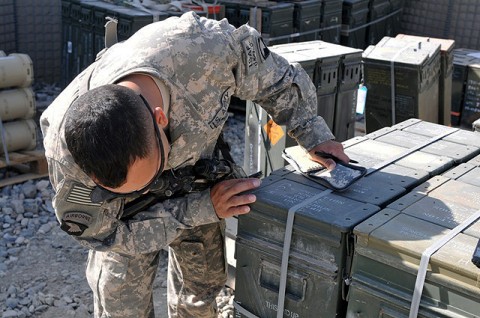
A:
[308, 251]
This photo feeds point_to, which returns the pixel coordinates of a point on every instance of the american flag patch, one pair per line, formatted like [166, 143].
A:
[81, 195]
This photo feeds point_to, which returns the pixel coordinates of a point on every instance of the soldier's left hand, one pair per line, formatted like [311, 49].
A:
[332, 148]
[227, 197]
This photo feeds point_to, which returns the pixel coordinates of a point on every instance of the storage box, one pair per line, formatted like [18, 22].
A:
[445, 79]
[354, 19]
[388, 249]
[377, 11]
[306, 20]
[402, 79]
[320, 253]
[331, 21]
[462, 58]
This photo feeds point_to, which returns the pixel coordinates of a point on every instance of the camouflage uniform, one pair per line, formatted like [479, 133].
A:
[203, 63]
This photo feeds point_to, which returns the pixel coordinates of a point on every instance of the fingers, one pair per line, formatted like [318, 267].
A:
[227, 198]
[327, 152]
[327, 163]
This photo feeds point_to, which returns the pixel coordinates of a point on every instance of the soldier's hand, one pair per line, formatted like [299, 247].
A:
[227, 197]
[330, 148]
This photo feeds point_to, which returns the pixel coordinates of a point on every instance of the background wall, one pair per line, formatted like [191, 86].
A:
[447, 19]
[33, 27]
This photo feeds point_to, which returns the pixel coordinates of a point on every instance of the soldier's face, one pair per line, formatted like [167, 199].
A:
[143, 172]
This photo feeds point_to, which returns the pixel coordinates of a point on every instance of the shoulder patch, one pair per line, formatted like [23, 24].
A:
[81, 195]
[75, 223]
[250, 53]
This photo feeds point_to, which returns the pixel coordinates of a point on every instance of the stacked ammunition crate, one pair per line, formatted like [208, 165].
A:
[331, 21]
[393, 248]
[17, 104]
[310, 252]
[336, 73]
[465, 87]
[288, 20]
[445, 79]
[378, 10]
[307, 19]
[402, 81]
[354, 19]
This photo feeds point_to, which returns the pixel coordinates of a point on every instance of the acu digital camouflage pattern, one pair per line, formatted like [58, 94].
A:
[203, 63]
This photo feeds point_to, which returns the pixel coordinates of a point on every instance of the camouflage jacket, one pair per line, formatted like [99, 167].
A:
[203, 63]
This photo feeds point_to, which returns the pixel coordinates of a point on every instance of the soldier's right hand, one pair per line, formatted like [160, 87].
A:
[227, 197]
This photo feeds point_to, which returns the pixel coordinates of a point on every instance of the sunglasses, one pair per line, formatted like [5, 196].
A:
[101, 194]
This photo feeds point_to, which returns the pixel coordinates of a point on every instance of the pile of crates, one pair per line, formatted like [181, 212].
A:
[335, 70]
[307, 251]
[83, 30]
[354, 23]
[18, 130]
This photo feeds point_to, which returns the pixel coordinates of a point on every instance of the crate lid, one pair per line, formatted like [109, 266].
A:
[402, 51]
[446, 45]
[339, 214]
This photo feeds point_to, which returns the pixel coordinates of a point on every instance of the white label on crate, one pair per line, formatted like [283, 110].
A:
[361, 99]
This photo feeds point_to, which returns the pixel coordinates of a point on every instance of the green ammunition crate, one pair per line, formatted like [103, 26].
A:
[83, 25]
[320, 250]
[130, 20]
[77, 39]
[462, 58]
[414, 70]
[377, 11]
[445, 80]
[394, 22]
[388, 248]
[276, 19]
[306, 19]
[471, 101]
[331, 21]
[354, 19]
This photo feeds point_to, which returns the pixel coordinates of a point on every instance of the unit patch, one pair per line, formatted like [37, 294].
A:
[75, 223]
[222, 113]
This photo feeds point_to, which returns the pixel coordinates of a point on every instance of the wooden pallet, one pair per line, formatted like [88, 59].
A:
[30, 164]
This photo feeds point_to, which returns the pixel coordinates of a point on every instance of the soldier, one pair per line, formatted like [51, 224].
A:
[147, 108]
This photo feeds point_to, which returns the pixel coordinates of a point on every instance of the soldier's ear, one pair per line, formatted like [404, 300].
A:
[160, 117]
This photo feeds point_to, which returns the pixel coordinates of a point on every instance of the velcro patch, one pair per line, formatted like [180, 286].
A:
[75, 223]
[263, 50]
[251, 56]
[81, 195]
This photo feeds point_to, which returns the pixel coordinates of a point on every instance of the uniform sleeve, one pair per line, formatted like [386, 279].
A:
[284, 90]
[99, 226]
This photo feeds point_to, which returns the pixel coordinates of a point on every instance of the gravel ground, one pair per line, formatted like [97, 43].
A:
[42, 269]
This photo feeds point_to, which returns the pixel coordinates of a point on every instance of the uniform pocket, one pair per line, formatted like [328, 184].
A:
[192, 260]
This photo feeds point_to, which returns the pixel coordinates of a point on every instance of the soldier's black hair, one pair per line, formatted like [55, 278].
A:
[106, 130]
